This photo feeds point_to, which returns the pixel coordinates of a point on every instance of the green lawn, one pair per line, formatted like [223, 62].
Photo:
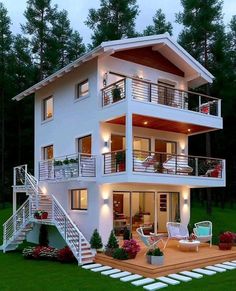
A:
[20, 274]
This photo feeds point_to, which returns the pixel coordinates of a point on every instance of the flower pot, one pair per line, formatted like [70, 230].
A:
[148, 258]
[132, 255]
[225, 246]
[157, 260]
[44, 215]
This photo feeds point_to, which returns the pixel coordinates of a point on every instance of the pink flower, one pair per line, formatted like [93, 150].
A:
[131, 246]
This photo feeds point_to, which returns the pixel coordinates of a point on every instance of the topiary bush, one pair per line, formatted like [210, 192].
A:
[96, 241]
[112, 244]
[120, 254]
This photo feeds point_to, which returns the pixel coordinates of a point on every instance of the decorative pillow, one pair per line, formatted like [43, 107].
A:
[174, 231]
[203, 230]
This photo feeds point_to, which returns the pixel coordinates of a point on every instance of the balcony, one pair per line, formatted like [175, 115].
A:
[165, 164]
[152, 93]
[68, 167]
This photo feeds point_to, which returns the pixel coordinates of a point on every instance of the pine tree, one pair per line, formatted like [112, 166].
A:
[112, 241]
[39, 15]
[115, 19]
[96, 241]
[160, 25]
[75, 47]
[5, 52]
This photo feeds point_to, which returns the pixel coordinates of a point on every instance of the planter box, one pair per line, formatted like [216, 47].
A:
[157, 260]
[148, 258]
[43, 216]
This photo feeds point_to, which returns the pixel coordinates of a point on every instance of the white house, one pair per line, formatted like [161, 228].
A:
[111, 142]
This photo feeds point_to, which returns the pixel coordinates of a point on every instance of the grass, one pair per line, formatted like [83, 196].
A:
[21, 274]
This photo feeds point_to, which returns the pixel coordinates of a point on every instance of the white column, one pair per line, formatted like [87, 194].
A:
[155, 212]
[129, 143]
[14, 201]
[185, 205]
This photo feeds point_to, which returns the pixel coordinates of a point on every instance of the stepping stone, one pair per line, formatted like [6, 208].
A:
[131, 278]
[191, 274]
[230, 264]
[110, 272]
[233, 262]
[214, 268]
[143, 281]
[100, 269]
[204, 271]
[91, 266]
[180, 277]
[155, 286]
[225, 267]
[168, 280]
[120, 275]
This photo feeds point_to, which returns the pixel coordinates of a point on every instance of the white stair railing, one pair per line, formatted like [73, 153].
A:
[16, 222]
[69, 231]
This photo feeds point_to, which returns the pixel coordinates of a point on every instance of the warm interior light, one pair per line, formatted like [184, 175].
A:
[145, 123]
[189, 129]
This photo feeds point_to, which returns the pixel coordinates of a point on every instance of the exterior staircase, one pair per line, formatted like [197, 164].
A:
[22, 221]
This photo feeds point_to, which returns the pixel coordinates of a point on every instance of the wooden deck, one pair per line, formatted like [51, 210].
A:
[175, 260]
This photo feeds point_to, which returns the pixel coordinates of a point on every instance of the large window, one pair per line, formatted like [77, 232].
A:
[48, 108]
[48, 152]
[79, 199]
[83, 89]
[85, 144]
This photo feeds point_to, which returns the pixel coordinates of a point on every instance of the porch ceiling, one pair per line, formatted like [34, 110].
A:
[161, 124]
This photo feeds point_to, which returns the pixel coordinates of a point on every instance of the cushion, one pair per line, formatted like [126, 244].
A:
[174, 231]
[203, 230]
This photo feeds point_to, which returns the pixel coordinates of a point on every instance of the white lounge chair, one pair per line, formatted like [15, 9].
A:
[176, 231]
[150, 241]
[203, 231]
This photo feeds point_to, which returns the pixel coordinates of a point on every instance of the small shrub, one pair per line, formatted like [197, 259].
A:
[40, 253]
[157, 252]
[112, 241]
[96, 241]
[120, 254]
[149, 252]
[28, 252]
[127, 235]
[65, 255]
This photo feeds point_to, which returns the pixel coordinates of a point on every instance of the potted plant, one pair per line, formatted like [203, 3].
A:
[120, 254]
[40, 214]
[112, 244]
[116, 94]
[149, 256]
[157, 257]
[96, 241]
[226, 240]
[131, 247]
[120, 161]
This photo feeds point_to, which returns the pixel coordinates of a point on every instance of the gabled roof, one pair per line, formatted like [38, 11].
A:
[196, 74]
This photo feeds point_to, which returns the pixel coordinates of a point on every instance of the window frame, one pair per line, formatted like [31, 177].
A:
[78, 91]
[44, 115]
[79, 199]
[43, 152]
[78, 143]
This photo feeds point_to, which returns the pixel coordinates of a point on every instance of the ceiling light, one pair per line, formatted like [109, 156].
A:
[145, 123]
[189, 129]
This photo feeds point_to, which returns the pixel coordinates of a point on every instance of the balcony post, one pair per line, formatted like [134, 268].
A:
[129, 143]
[128, 89]
[196, 166]
[219, 107]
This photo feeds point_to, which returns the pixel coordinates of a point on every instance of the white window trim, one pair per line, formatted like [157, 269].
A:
[80, 98]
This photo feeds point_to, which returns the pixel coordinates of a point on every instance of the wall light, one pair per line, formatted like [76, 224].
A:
[185, 201]
[105, 79]
[106, 200]
[106, 144]
[182, 151]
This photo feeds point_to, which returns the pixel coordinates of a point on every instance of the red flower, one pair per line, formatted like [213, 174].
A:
[131, 246]
[227, 237]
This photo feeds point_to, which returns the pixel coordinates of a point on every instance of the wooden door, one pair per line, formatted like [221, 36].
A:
[162, 211]
[118, 201]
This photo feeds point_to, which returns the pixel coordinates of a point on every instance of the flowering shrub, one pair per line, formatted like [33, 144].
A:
[65, 255]
[131, 247]
[40, 253]
[226, 237]
[39, 212]
[192, 237]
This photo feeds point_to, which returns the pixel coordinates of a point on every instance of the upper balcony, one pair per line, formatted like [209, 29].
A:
[165, 103]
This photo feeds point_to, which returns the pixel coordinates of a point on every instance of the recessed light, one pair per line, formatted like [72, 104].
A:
[189, 129]
[145, 123]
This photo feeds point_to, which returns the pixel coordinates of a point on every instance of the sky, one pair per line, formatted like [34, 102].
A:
[78, 11]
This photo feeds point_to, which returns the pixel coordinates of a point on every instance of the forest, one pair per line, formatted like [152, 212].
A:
[47, 42]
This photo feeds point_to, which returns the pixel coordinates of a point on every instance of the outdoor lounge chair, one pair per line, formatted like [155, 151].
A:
[177, 165]
[176, 231]
[203, 231]
[150, 241]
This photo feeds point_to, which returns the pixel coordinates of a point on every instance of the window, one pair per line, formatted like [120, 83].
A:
[48, 108]
[83, 89]
[85, 144]
[48, 152]
[79, 199]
